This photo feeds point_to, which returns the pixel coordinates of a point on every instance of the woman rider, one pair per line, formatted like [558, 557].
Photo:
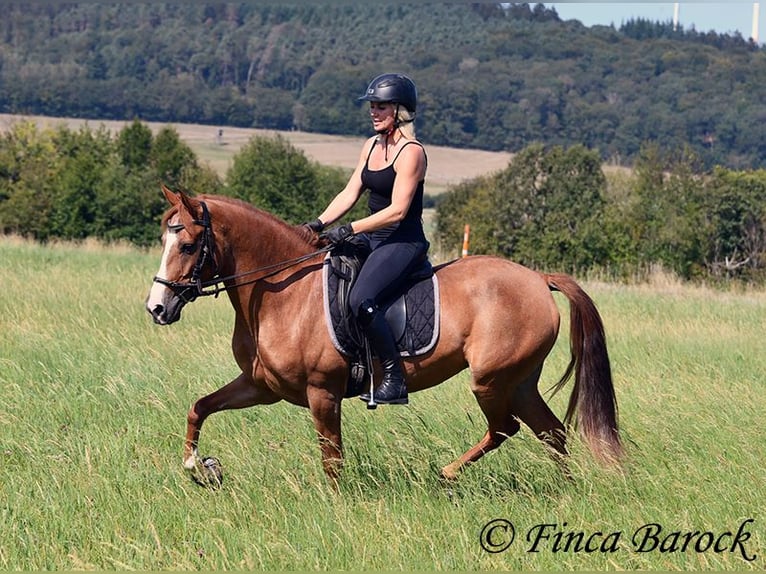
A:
[392, 165]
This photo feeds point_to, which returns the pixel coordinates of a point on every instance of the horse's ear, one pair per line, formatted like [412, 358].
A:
[175, 198]
[170, 195]
[192, 205]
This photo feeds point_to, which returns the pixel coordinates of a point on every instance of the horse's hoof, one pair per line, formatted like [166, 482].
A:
[449, 474]
[208, 473]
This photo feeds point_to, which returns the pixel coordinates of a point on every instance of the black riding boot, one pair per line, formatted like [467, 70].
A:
[392, 390]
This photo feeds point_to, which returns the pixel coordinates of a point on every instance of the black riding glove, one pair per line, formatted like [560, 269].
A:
[315, 226]
[338, 235]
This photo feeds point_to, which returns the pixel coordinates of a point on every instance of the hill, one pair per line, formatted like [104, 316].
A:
[491, 77]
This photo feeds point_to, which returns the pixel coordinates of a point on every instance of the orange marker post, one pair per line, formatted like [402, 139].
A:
[466, 236]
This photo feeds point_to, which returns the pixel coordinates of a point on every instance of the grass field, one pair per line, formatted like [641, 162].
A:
[92, 415]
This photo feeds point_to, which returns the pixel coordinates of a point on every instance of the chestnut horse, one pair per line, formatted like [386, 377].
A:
[497, 318]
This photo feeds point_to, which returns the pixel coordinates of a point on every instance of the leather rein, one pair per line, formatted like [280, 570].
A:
[195, 287]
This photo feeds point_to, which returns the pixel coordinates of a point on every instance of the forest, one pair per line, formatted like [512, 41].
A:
[490, 76]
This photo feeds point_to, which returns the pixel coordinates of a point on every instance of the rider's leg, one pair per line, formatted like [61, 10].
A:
[381, 278]
[392, 389]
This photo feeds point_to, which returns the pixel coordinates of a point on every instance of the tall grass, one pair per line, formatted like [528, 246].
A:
[93, 399]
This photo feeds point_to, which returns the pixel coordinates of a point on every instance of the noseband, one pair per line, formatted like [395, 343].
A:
[195, 287]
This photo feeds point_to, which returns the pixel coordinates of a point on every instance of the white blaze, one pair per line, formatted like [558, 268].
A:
[157, 293]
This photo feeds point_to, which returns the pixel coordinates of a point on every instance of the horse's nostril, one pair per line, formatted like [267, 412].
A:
[157, 312]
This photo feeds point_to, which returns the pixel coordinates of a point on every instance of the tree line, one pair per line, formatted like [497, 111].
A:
[56, 183]
[551, 208]
[490, 76]
[554, 208]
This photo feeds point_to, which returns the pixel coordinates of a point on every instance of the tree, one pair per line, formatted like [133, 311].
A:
[272, 108]
[169, 156]
[134, 145]
[551, 202]
[128, 206]
[467, 203]
[272, 174]
[84, 157]
[492, 76]
[667, 219]
[735, 224]
[28, 166]
[545, 209]
[331, 96]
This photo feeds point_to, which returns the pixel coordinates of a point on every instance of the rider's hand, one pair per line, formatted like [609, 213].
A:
[338, 235]
[315, 226]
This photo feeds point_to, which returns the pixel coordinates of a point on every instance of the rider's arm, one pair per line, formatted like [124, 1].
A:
[349, 195]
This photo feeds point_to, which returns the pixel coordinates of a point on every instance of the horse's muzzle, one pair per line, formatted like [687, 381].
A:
[161, 317]
[167, 311]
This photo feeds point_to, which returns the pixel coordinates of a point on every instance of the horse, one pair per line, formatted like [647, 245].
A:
[497, 318]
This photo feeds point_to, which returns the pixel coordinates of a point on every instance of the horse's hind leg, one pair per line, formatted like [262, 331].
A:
[496, 406]
[240, 393]
[533, 411]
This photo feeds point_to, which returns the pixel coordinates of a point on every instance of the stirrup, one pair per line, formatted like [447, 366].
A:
[356, 378]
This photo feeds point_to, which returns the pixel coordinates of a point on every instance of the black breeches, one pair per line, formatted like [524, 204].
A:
[385, 273]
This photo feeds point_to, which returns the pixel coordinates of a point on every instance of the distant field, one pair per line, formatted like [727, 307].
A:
[446, 166]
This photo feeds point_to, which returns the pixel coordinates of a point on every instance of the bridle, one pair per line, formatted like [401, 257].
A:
[196, 287]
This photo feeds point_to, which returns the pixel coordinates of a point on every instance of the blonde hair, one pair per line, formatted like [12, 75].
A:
[405, 118]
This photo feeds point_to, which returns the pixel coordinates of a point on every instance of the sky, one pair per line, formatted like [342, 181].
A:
[721, 17]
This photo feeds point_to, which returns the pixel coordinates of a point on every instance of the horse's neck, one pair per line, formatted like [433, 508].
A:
[256, 240]
[256, 248]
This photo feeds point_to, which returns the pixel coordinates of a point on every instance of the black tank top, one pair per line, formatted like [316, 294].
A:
[381, 186]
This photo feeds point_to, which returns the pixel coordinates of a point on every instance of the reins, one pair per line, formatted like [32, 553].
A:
[207, 253]
[277, 268]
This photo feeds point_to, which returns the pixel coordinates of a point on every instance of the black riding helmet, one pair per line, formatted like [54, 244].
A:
[395, 88]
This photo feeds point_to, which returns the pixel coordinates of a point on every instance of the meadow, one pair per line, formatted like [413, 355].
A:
[93, 404]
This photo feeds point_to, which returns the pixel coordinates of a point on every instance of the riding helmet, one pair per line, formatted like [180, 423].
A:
[395, 88]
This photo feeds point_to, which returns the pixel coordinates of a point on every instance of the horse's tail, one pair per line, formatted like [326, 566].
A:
[592, 404]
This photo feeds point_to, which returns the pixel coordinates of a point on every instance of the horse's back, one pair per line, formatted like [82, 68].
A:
[484, 279]
[500, 311]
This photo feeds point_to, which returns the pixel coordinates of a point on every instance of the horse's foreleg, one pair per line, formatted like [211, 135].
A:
[325, 410]
[240, 393]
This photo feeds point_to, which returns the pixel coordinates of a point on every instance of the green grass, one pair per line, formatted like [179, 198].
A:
[92, 416]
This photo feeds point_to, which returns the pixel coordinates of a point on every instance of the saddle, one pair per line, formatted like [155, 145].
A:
[413, 316]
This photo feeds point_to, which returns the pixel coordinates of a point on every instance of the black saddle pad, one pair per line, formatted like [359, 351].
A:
[413, 317]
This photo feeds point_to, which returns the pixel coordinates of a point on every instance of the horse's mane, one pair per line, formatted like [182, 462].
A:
[300, 231]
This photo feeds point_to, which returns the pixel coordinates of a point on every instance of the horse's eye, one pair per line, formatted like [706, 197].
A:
[188, 248]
